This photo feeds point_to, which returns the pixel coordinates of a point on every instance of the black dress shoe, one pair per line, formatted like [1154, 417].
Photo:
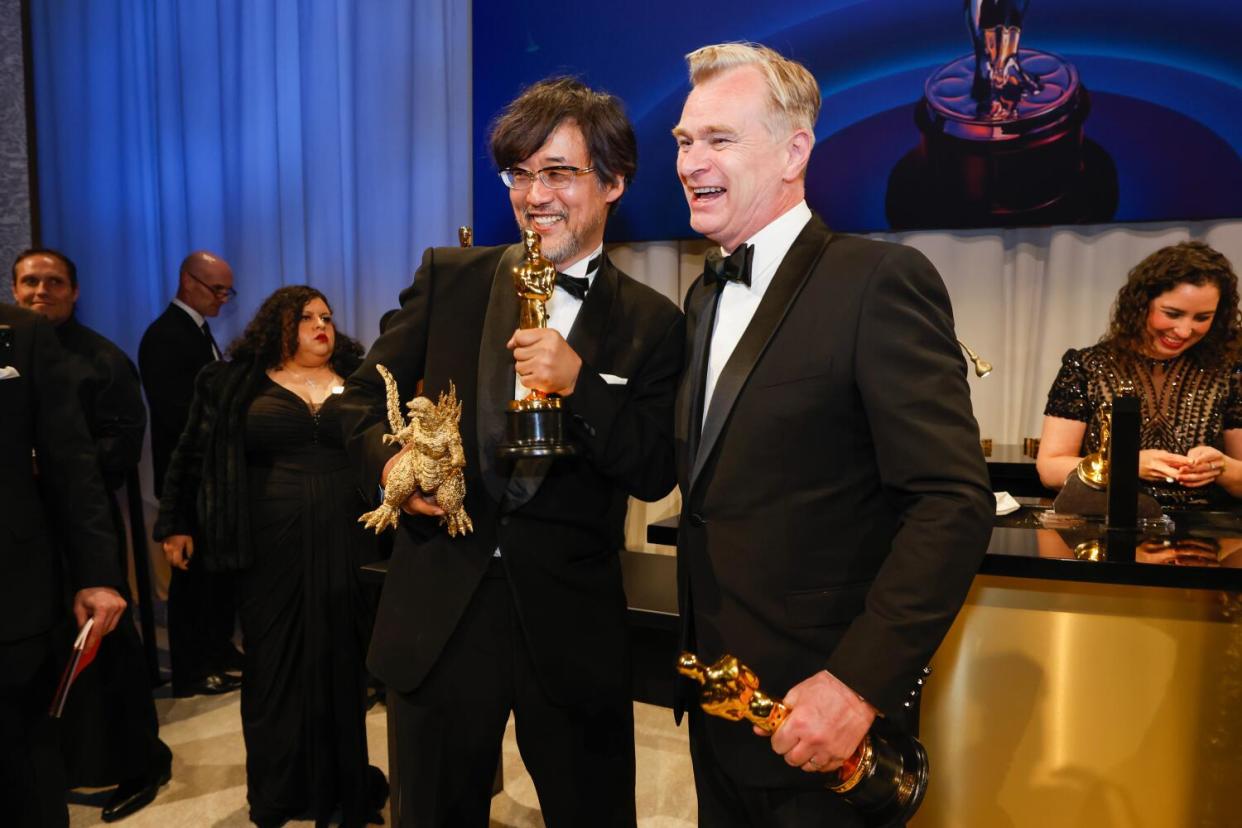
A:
[135, 794]
[377, 794]
[230, 659]
[212, 685]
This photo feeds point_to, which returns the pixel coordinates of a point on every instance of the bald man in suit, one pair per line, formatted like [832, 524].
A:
[174, 348]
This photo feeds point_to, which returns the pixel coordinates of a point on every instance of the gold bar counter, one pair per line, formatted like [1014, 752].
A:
[1086, 704]
[1088, 681]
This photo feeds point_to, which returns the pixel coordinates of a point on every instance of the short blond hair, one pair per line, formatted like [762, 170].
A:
[793, 92]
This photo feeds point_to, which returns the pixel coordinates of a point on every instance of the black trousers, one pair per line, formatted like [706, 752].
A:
[728, 802]
[449, 731]
[201, 612]
[32, 774]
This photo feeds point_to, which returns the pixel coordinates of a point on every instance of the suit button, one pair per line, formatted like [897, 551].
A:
[697, 520]
[504, 521]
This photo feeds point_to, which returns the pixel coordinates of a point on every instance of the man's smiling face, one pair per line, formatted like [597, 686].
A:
[569, 221]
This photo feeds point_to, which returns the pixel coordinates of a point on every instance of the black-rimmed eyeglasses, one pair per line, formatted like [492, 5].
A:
[554, 178]
[220, 291]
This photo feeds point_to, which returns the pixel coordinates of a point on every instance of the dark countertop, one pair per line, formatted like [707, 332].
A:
[1202, 550]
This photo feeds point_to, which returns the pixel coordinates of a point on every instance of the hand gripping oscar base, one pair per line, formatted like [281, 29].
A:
[886, 777]
[534, 425]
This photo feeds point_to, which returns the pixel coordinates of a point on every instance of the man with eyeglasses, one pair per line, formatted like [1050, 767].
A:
[113, 721]
[527, 613]
[173, 349]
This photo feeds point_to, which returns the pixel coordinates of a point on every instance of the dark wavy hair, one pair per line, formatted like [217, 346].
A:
[1190, 262]
[524, 125]
[272, 335]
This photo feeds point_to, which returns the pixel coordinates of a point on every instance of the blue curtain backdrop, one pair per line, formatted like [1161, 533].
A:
[325, 142]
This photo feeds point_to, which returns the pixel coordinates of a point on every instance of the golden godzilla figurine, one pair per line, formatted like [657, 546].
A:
[430, 463]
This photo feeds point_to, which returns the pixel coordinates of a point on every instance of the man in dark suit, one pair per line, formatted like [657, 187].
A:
[527, 613]
[116, 731]
[835, 500]
[42, 419]
[173, 349]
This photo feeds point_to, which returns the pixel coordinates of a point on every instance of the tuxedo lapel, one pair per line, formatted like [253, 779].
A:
[586, 337]
[192, 334]
[700, 319]
[787, 282]
[590, 329]
[496, 374]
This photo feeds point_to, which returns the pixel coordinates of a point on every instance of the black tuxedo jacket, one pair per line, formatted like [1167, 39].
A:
[40, 412]
[111, 399]
[172, 352]
[559, 524]
[835, 501]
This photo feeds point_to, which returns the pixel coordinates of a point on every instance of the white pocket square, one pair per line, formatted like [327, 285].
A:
[8, 372]
[613, 379]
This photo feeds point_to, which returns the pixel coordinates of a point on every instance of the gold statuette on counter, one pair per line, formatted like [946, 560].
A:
[431, 462]
[534, 425]
[885, 778]
[1093, 469]
[465, 236]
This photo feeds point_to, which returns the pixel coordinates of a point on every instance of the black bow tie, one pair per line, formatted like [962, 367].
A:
[732, 268]
[577, 286]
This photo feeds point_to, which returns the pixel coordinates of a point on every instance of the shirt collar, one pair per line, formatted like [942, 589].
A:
[195, 315]
[773, 242]
[579, 267]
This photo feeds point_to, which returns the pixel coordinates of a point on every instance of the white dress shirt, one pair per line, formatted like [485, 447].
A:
[739, 302]
[199, 320]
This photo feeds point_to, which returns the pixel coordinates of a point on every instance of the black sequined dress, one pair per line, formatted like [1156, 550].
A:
[1182, 404]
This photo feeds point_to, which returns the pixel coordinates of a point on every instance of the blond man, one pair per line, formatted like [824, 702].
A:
[835, 503]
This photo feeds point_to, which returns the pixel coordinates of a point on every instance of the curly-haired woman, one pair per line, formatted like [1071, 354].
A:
[1174, 343]
[261, 481]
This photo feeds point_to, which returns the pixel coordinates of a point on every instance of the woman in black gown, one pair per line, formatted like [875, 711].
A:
[261, 482]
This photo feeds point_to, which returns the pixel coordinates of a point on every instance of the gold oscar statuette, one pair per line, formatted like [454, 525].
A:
[534, 425]
[1094, 468]
[885, 778]
[465, 236]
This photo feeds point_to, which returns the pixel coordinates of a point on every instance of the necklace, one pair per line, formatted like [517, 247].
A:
[330, 383]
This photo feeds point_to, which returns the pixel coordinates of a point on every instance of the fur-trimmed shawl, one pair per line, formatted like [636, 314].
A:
[205, 486]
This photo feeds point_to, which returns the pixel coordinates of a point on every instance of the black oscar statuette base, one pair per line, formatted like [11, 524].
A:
[535, 428]
[893, 787]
